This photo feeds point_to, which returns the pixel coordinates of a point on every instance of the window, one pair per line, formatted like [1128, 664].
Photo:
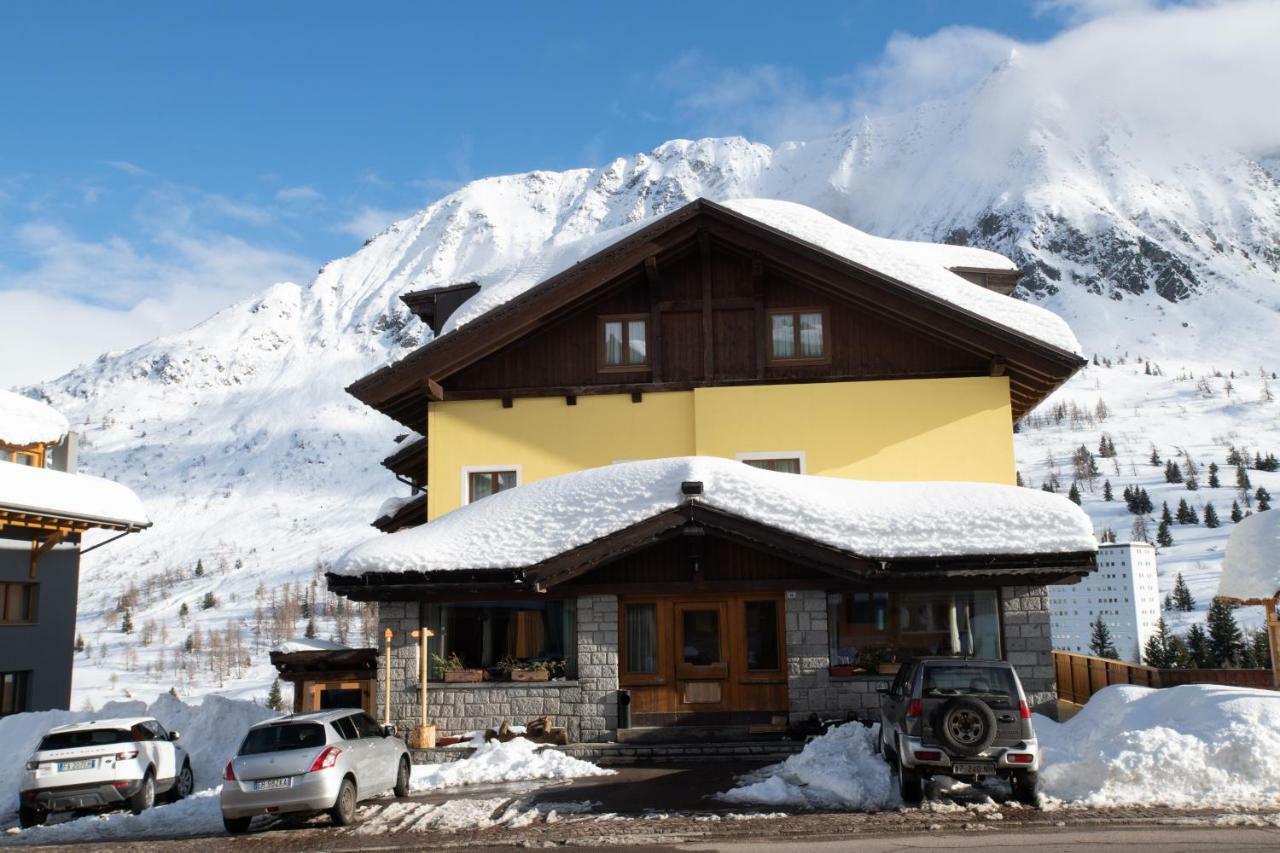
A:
[641, 621]
[624, 342]
[82, 738]
[18, 603]
[761, 622]
[788, 461]
[484, 634]
[282, 738]
[479, 483]
[346, 728]
[32, 455]
[798, 335]
[13, 692]
[366, 726]
[870, 629]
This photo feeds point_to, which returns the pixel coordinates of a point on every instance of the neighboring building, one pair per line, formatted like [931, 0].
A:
[1124, 591]
[45, 508]
[765, 334]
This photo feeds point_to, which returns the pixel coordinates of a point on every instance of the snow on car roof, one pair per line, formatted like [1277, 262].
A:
[923, 266]
[24, 421]
[111, 723]
[523, 526]
[1250, 570]
[44, 491]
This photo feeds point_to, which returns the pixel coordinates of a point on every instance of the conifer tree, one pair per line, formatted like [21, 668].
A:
[274, 700]
[1100, 642]
[1157, 652]
[1260, 644]
[1242, 478]
[1074, 494]
[1172, 472]
[1182, 598]
[183, 612]
[1163, 537]
[1234, 457]
[1264, 499]
[1192, 484]
[79, 643]
[1106, 491]
[1214, 482]
[126, 623]
[1179, 657]
[1236, 514]
[1155, 456]
[1018, 475]
[1198, 654]
[209, 601]
[310, 631]
[1165, 516]
[1211, 516]
[199, 568]
[1226, 642]
[1145, 506]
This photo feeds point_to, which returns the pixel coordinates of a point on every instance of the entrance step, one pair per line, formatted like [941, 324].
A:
[630, 752]
[699, 734]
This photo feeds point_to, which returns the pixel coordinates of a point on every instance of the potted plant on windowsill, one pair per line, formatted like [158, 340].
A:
[455, 671]
[534, 670]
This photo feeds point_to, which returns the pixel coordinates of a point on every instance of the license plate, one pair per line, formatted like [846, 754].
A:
[974, 769]
[68, 766]
[268, 784]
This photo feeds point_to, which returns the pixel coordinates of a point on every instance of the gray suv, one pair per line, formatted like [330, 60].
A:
[967, 719]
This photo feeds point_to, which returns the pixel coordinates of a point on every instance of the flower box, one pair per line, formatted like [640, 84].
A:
[464, 676]
[530, 674]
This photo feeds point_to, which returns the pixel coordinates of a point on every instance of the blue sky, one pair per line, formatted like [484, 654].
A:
[159, 160]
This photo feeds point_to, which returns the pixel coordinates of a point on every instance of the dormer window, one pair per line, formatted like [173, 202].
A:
[798, 335]
[624, 342]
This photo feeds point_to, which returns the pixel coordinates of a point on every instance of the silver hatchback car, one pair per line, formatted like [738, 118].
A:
[323, 761]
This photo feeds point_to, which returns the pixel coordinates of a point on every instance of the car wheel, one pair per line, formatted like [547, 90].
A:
[146, 796]
[31, 817]
[344, 807]
[183, 785]
[910, 784]
[1024, 783]
[402, 779]
[236, 825]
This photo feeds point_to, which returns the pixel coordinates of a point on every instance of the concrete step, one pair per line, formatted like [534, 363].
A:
[606, 754]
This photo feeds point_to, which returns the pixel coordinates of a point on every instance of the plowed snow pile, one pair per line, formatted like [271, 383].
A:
[513, 761]
[1196, 745]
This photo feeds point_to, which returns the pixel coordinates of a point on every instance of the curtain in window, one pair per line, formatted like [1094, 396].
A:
[613, 342]
[527, 634]
[642, 638]
[811, 335]
[635, 342]
[784, 336]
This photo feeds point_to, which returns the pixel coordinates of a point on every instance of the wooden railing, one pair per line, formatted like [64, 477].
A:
[1081, 676]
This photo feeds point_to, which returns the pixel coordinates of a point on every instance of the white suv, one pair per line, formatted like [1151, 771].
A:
[103, 764]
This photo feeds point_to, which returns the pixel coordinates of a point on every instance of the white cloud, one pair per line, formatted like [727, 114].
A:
[368, 221]
[1079, 11]
[128, 168]
[298, 194]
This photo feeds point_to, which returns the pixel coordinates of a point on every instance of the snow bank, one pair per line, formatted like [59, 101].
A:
[839, 770]
[924, 266]
[391, 506]
[513, 761]
[1195, 745]
[81, 496]
[308, 644]
[211, 733]
[878, 520]
[1250, 570]
[27, 421]
[198, 814]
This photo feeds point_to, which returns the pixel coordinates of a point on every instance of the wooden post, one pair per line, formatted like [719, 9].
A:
[386, 687]
[424, 735]
[1273, 634]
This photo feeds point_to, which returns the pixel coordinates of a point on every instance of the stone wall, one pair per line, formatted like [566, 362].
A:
[1028, 645]
[587, 706]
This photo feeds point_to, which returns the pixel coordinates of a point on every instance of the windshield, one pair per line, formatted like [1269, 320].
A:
[283, 738]
[84, 737]
[993, 685]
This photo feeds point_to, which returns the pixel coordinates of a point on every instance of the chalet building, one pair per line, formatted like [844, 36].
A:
[45, 508]
[726, 468]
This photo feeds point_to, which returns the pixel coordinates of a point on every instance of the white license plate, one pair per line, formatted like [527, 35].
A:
[68, 766]
[268, 784]
[974, 769]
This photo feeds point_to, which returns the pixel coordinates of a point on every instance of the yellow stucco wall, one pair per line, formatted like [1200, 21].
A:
[921, 429]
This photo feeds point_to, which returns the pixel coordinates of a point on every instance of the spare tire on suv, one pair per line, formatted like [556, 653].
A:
[966, 726]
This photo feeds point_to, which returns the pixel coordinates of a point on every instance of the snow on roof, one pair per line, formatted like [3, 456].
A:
[308, 644]
[1251, 568]
[879, 520]
[391, 505]
[80, 496]
[925, 266]
[26, 421]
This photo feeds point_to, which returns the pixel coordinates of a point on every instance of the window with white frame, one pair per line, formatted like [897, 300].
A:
[786, 461]
[482, 481]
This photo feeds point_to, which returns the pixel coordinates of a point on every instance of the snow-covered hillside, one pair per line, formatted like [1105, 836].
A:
[254, 462]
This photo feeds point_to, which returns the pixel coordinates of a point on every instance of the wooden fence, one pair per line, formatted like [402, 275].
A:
[1081, 676]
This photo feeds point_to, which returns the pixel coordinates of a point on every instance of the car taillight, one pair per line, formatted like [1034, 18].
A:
[928, 755]
[915, 708]
[1023, 711]
[33, 765]
[1018, 758]
[325, 759]
[229, 775]
[125, 756]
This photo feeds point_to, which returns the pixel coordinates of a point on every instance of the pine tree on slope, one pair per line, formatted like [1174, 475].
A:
[1156, 652]
[1211, 516]
[1226, 642]
[1182, 598]
[1198, 652]
[1100, 642]
[1214, 482]
[1236, 514]
[1106, 491]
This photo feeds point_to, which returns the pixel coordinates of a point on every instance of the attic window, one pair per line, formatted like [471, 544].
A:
[798, 335]
[624, 342]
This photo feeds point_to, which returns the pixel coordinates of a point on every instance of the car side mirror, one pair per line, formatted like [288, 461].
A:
[388, 731]
[174, 735]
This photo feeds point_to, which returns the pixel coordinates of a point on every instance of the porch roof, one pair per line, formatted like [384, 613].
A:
[45, 498]
[544, 524]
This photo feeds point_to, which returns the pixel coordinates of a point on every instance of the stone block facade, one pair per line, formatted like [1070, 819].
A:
[587, 706]
[1028, 645]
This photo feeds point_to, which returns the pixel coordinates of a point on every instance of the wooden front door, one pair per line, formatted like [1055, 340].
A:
[703, 659]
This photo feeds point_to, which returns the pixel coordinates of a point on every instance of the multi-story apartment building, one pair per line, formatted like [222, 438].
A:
[1124, 592]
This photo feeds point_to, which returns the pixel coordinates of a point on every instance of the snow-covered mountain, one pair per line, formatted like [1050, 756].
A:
[254, 461]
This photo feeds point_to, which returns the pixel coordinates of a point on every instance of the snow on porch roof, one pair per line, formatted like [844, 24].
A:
[79, 497]
[924, 266]
[1251, 569]
[24, 421]
[524, 526]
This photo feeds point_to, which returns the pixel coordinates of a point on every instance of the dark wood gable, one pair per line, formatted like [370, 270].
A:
[709, 303]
